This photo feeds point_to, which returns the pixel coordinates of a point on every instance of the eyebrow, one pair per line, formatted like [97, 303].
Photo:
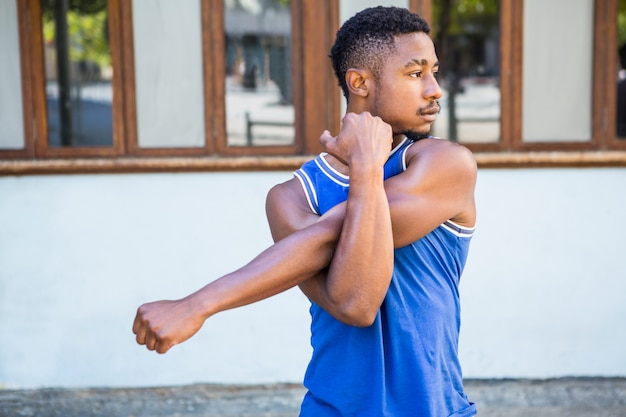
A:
[421, 62]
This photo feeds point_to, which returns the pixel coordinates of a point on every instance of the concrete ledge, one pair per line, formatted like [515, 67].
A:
[573, 397]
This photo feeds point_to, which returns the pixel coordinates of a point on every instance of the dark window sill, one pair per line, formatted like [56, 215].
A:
[285, 163]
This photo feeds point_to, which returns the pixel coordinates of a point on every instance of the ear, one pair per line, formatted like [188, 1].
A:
[358, 81]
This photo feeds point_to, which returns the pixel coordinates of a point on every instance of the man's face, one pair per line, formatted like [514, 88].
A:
[407, 91]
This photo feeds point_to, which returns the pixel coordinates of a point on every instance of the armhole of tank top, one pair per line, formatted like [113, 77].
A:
[307, 188]
[403, 155]
[458, 230]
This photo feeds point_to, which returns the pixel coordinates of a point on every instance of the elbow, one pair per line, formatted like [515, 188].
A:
[358, 306]
[362, 321]
[356, 315]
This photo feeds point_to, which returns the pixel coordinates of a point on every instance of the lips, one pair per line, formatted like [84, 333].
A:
[431, 110]
[430, 114]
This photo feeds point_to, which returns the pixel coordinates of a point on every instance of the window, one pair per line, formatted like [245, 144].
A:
[583, 90]
[168, 76]
[516, 79]
[131, 81]
[78, 73]
[136, 85]
[11, 115]
[259, 93]
[620, 112]
[467, 35]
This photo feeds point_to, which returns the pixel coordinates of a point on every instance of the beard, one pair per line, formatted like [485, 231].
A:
[415, 136]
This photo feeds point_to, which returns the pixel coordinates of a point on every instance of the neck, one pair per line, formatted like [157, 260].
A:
[397, 139]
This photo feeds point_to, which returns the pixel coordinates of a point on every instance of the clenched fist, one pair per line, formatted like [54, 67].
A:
[163, 324]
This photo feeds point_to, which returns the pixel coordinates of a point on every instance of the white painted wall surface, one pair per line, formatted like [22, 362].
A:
[79, 254]
[545, 285]
[542, 296]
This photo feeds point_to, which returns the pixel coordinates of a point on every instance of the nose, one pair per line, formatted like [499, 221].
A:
[432, 90]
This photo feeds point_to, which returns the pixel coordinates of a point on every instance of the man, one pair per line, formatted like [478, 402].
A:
[379, 259]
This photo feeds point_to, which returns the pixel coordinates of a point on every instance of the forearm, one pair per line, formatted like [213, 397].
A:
[280, 267]
[162, 324]
[362, 265]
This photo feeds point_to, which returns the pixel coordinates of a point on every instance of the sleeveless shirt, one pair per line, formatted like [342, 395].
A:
[406, 363]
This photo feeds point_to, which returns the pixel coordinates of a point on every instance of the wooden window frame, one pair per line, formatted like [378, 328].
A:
[603, 112]
[316, 100]
[603, 140]
[509, 64]
[33, 89]
[538, 146]
[606, 29]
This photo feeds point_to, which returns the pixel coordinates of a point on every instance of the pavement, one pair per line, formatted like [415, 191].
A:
[563, 397]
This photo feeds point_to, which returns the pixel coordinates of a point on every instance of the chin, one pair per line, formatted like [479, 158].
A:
[415, 136]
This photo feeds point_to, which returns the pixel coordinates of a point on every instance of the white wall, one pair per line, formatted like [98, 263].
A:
[79, 254]
[543, 292]
[544, 289]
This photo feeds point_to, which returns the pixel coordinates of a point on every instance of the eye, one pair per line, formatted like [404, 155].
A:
[417, 74]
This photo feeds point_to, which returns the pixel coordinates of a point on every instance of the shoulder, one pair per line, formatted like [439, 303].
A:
[289, 192]
[442, 157]
[441, 148]
[287, 209]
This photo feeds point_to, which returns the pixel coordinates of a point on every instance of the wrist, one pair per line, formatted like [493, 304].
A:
[203, 303]
[367, 177]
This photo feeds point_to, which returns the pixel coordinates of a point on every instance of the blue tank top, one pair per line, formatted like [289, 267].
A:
[405, 363]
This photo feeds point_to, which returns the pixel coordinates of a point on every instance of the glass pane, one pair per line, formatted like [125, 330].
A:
[348, 8]
[621, 76]
[169, 82]
[467, 39]
[557, 79]
[11, 116]
[78, 73]
[259, 100]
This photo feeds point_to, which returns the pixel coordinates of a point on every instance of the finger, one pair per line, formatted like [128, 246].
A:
[163, 346]
[137, 322]
[140, 328]
[141, 337]
[330, 145]
[325, 138]
[151, 341]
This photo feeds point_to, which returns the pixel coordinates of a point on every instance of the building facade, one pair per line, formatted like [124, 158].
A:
[139, 139]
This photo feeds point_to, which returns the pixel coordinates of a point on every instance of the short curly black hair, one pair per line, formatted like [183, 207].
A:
[368, 38]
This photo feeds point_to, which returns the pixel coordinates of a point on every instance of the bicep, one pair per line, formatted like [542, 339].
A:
[413, 215]
[431, 191]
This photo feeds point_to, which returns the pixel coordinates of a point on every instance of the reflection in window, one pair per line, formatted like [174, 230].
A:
[259, 102]
[466, 35]
[621, 76]
[78, 73]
